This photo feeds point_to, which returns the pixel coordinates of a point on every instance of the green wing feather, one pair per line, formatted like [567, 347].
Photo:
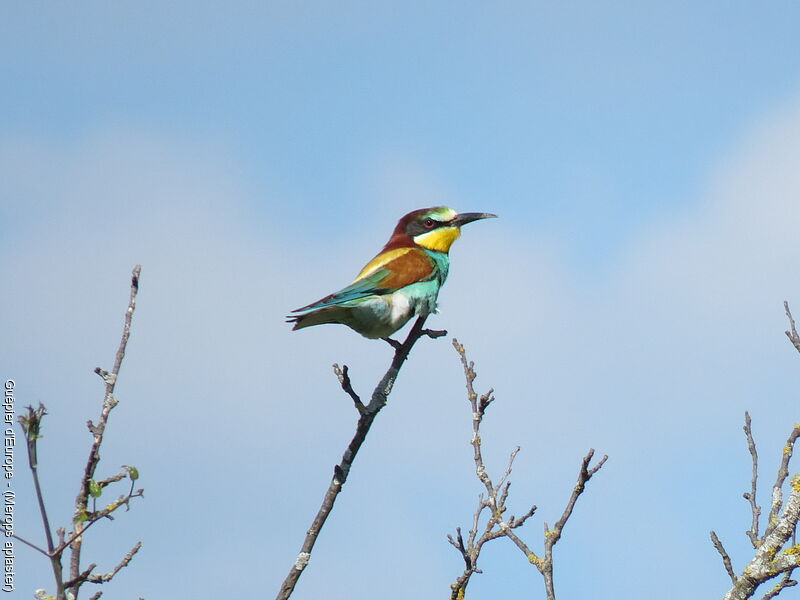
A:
[368, 286]
[407, 266]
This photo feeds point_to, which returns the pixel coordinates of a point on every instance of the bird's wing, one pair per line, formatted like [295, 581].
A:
[387, 272]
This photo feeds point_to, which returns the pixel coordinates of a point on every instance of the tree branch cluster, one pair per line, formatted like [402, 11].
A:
[776, 553]
[84, 516]
[494, 502]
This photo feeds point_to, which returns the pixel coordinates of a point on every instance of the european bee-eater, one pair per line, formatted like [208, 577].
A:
[403, 280]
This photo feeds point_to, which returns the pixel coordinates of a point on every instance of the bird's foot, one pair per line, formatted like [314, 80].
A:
[393, 343]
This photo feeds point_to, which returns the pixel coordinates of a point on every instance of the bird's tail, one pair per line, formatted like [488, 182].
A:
[329, 314]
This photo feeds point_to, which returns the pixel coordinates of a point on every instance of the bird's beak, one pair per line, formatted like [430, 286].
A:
[464, 218]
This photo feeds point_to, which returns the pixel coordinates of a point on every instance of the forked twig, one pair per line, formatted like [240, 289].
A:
[791, 333]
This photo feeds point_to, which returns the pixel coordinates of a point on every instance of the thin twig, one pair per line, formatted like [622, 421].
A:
[367, 415]
[82, 576]
[551, 536]
[495, 504]
[783, 473]
[785, 581]
[96, 578]
[34, 546]
[726, 559]
[31, 424]
[113, 479]
[511, 458]
[513, 522]
[792, 332]
[584, 475]
[343, 375]
[750, 496]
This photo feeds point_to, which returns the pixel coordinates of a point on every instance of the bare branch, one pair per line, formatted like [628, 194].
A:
[458, 543]
[786, 581]
[34, 546]
[514, 523]
[478, 410]
[31, 424]
[773, 556]
[95, 578]
[726, 559]
[551, 536]
[367, 415]
[791, 333]
[532, 557]
[97, 431]
[343, 375]
[495, 500]
[82, 576]
[751, 496]
[584, 476]
[511, 458]
[783, 473]
[113, 479]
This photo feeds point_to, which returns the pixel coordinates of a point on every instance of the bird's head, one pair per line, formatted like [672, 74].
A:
[433, 228]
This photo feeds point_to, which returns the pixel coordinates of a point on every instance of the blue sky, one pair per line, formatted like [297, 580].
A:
[253, 156]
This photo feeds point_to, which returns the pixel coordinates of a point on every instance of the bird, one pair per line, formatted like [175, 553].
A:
[401, 281]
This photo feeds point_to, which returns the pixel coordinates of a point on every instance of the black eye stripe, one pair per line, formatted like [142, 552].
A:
[423, 226]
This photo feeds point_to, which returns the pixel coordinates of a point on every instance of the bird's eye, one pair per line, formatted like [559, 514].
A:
[429, 223]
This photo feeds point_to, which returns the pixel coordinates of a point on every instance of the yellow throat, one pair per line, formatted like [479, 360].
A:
[439, 239]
